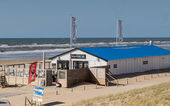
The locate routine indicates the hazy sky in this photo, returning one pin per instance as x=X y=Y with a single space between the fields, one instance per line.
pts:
x=95 y=18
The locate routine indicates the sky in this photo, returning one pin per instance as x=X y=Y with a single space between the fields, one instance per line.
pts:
x=95 y=18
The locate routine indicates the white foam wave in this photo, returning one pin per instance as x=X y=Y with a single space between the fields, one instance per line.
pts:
x=78 y=44
x=33 y=45
x=35 y=51
x=66 y=46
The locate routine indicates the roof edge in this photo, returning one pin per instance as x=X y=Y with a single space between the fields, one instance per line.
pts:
x=62 y=53
x=92 y=54
x=74 y=50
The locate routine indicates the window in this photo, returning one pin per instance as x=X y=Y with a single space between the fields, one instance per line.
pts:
x=53 y=65
x=145 y=62
x=40 y=66
x=62 y=64
x=114 y=65
x=80 y=64
x=61 y=75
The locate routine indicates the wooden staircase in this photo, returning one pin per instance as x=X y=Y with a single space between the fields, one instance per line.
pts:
x=111 y=79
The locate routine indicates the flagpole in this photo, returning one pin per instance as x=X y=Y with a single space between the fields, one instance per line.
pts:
x=70 y=63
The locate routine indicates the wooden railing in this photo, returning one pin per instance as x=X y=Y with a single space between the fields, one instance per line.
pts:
x=111 y=78
x=30 y=102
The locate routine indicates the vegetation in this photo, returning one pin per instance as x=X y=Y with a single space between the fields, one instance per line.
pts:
x=158 y=95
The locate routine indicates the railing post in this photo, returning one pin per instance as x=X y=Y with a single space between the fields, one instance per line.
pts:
x=84 y=88
x=25 y=101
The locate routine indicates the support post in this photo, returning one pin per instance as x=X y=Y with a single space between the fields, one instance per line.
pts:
x=70 y=62
x=56 y=92
x=151 y=75
x=45 y=73
x=43 y=60
x=84 y=88
x=23 y=77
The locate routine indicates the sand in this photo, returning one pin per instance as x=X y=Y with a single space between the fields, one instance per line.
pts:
x=69 y=96
x=18 y=61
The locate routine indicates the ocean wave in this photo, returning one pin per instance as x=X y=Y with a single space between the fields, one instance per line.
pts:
x=65 y=47
x=77 y=44
x=35 y=51
x=37 y=47
x=33 y=45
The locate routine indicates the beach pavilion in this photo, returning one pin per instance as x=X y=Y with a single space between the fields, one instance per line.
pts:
x=119 y=59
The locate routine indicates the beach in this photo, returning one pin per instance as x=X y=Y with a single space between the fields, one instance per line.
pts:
x=19 y=61
x=28 y=53
x=69 y=96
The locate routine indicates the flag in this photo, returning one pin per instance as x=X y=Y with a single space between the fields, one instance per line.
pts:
x=73 y=29
x=32 y=72
x=120 y=35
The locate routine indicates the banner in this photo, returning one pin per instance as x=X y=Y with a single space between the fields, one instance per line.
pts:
x=32 y=72
x=120 y=35
x=74 y=30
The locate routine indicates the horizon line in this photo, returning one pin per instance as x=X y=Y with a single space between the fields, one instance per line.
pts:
x=77 y=37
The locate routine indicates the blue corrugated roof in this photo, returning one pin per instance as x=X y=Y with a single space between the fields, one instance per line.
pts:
x=126 y=52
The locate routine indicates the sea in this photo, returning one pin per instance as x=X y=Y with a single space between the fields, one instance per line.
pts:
x=22 y=48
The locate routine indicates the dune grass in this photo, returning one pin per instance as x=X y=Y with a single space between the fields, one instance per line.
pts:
x=158 y=95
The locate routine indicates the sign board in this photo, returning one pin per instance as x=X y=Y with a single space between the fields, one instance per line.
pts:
x=38 y=94
x=78 y=56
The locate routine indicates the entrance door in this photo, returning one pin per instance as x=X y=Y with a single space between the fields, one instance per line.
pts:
x=62 y=64
x=80 y=64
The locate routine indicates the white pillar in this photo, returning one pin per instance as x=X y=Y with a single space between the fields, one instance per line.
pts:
x=43 y=60
x=70 y=62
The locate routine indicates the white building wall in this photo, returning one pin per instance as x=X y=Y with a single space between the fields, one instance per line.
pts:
x=136 y=65
x=124 y=65
x=92 y=60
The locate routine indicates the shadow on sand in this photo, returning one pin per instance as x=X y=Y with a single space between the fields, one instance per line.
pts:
x=131 y=75
x=53 y=103
x=3 y=102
